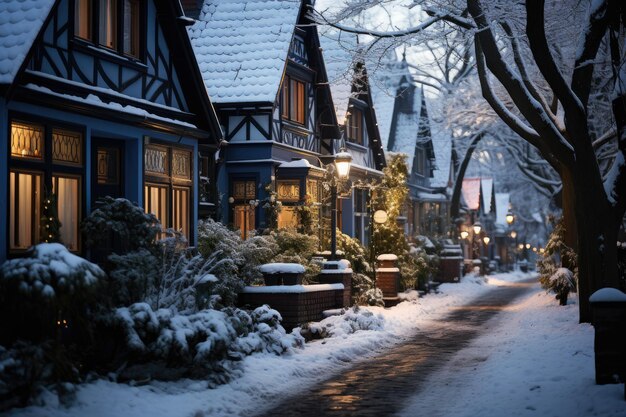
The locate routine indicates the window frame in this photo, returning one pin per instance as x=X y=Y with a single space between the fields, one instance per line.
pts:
x=137 y=30
x=244 y=202
x=288 y=111
x=354 y=131
x=171 y=182
x=46 y=165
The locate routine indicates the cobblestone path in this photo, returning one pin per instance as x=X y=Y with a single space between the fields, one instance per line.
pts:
x=380 y=386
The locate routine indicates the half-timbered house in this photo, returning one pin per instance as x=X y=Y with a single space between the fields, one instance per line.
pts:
x=352 y=98
x=405 y=128
x=97 y=98
x=262 y=65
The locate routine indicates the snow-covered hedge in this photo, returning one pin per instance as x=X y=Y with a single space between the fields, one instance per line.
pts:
x=199 y=344
x=352 y=320
x=47 y=289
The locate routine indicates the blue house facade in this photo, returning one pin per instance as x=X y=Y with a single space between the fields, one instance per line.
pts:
x=351 y=92
x=263 y=68
x=100 y=98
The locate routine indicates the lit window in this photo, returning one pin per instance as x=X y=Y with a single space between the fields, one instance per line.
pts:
x=67 y=190
x=354 y=128
x=26 y=140
x=156 y=202
x=167 y=191
x=24 y=210
x=131 y=27
x=107 y=23
x=288 y=218
x=294 y=100
x=83 y=19
x=114 y=19
x=31 y=167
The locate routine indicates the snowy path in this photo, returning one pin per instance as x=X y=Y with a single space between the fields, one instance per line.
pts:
x=380 y=386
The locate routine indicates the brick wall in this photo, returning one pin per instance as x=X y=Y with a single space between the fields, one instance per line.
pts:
x=295 y=308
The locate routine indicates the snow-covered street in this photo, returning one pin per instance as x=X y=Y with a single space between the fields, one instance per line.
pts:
x=535 y=359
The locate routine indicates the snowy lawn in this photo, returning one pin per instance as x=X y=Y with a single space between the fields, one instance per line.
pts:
x=535 y=361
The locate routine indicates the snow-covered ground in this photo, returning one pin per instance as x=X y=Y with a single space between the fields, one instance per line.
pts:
x=535 y=360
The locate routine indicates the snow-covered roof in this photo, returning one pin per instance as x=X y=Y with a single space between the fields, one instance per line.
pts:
x=407 y=127
x=502 y=207
x=385 y=77
x=20 y=23
x=487 y=187
x=338 y=50
x=471 y=192
x=442 y=144
x=242 y=46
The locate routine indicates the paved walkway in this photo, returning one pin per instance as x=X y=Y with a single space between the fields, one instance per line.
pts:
x=380 y=386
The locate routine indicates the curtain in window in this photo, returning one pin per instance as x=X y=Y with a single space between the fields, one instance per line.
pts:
x=108 y=23
x=24 y=210
x=68 y=206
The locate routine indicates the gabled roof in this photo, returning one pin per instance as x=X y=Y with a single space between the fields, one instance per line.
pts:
x=20 y=23
x=471 y=193
x=442 y=144
x=386 y=80
x=486 y=184
x=242 y=46
x=338 y=50
x=406 y=130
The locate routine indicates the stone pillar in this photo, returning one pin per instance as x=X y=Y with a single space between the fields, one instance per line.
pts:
x=608 y=308
x=338 y=272
x=388 y=278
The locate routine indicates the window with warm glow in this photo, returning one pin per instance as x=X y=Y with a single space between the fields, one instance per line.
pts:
x=83 y=18
x=354 y=127
x=24 y=209
x=56 y=168
x=67 y=190
x=118 y=24
x=244 y=209
x=167 y=190
x=294 y=100
x=288 y=218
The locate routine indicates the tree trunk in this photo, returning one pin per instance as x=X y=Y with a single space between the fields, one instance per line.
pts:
x=597 y=234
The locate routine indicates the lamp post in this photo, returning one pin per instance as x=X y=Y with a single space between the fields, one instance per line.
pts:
x=476 y=228
x=343 y=161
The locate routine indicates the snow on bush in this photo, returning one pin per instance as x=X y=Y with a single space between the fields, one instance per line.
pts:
x=352 y=320
x=200 y=343
x=49 y=271
x=561 y=283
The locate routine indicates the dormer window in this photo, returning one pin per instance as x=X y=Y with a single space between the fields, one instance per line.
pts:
x=294 y=100
x=114 y=20
x=354 y=127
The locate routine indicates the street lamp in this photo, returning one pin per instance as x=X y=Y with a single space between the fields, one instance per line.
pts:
x=486 y=239
x=513 y=234
x=343 y=161
x=464 y=234
x=477 y=228
x=509 y=218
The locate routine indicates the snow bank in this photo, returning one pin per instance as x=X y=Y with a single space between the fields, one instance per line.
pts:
x=282 y=268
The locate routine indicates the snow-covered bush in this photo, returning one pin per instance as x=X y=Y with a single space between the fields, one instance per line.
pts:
x=122 y=238
x=48 y=290
x=295 y=247
x=352 y=320
x=557 y=255
x=122 y=222
x=200 y=344
x=215 y=239
x=354 y=252
x=186 y=281
x=364 y=291
x=562 y=282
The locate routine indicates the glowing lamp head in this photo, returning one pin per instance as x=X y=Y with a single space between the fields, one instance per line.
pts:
x=509 y=217
x=477 y=228
x=464 y=234
x=521 y=246
x=513 y=234
x=343 y=161
x=528 y=246
x=486 y=239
